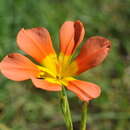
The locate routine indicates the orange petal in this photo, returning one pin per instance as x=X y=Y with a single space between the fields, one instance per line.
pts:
x=92 y=53
x=36 y=42
x=71 y=34
x=43 y=84
x=84 y=90
x=18 y=67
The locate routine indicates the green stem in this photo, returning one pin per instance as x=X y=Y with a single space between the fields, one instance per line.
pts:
x=64 y=105
x=84 y=117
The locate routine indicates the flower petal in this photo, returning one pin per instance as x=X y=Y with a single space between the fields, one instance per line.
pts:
x=36 y=42
x=44 y=84
x=18 y=67
x=85 y=90
x=92 y=53
x=71 y=34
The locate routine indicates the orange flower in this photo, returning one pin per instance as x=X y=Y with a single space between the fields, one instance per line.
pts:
x=54 y=71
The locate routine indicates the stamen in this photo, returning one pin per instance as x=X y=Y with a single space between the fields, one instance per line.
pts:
x=41 y=75
x=46 y=71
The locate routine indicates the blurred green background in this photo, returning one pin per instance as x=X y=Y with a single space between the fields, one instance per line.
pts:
x=23 y=107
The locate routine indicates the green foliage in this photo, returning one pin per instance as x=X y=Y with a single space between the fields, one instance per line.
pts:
x=23 y=107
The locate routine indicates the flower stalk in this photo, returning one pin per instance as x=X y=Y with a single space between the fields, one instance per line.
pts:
x=83 y=125
x=64 y=105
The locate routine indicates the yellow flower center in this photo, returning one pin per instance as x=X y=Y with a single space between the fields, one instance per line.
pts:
x=56 y=70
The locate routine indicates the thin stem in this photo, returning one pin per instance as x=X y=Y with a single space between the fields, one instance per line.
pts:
x=64 y=105
x=83 y=125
